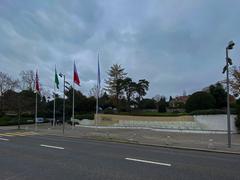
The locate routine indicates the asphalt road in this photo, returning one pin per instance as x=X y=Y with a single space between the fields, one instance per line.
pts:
x=30 y=156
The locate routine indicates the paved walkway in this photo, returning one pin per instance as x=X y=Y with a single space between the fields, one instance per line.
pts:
x=172 y=139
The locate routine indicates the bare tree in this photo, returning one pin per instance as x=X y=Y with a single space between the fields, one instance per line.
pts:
x=157 y=98
x=6 y=83
x=27 y=79
x=235 y=80
x=93 y=92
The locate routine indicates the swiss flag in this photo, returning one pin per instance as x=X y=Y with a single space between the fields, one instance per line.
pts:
x=75 y=76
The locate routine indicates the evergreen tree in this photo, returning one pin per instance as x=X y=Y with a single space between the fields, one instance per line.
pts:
x=114 y=82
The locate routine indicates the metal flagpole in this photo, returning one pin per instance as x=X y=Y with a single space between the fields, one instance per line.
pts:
x=73 y=121
x=54 y=106
x=96 y=108
x=63 y=103
x=36 y=113
x=97 y=93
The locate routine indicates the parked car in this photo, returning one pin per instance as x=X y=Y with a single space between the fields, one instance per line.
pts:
x=40 y=120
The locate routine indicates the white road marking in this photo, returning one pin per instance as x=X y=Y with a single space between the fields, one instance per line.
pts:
x=54 y=147
x=4 y=139
x=17 y=134
x=6 y=134
x=150 y=162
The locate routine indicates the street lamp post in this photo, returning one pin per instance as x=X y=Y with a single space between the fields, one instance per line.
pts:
x=226 y=69
x=62 y=75
x=64 y=87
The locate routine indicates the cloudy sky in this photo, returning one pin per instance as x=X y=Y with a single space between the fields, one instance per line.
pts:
x=175 y=44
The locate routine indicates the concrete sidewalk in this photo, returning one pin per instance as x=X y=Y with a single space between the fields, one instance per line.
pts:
x=210 y=142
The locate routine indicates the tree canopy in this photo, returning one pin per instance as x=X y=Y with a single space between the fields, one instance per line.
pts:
x=220 y=95
x=200 y=101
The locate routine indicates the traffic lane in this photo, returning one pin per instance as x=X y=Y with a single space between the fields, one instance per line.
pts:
x=188 y=158
x=27 y=162
x=111 y=156
x=153 y=153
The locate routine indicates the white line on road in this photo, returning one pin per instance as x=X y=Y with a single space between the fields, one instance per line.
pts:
x=54 y=147
x=150 y=162
x=4 y=139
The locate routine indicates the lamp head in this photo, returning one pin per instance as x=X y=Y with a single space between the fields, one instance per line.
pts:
x=224 y=69
x=229 y=60
x=230 y=45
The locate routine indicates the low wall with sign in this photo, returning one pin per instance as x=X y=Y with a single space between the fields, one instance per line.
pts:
x=117 y=118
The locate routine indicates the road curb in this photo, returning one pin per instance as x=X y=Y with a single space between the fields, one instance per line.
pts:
x=114 y=140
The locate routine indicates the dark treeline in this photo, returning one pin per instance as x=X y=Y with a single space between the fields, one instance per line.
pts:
x=17 y=96
x=120 y=94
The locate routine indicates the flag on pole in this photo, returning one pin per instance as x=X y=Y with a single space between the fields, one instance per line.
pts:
x=37 y=86
x=56 y=79
x=75 y=76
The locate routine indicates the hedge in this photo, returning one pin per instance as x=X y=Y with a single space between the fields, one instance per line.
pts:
x=13 y=120
x=84 y=116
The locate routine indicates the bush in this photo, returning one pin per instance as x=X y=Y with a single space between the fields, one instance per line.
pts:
x=1 y=114
x=85 y=116
x=237 y=122
x=13 y=120
x=208 y=112
x=108 y=111
x=200 y=101
x=237 y=119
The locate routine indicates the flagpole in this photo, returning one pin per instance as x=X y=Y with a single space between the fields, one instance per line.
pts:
x=36 y=113
x=73 y=106
x=77 y=81
x=54 y=104
x=97 y=94
x=54 y=110
x=96 y=110
x=37 y=90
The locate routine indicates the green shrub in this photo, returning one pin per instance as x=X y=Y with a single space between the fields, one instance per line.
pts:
x=213 y=111
x=237 y=119
x=200 y=101
x=13 y=120
x=237 y=122
x=208 y=112
x=1 y=113
x=85 y=116
x=108 y=111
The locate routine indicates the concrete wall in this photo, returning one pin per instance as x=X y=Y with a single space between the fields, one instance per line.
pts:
x=215 y=122
x=202 y=122
x=110 y=117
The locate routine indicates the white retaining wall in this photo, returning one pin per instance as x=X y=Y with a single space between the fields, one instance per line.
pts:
x=216 y=122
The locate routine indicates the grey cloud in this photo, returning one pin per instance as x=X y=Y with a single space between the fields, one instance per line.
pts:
x=176 y=45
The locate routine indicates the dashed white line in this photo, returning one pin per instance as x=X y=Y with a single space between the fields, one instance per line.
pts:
x=150 y=162
x=54 y=147
x=4 y=139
